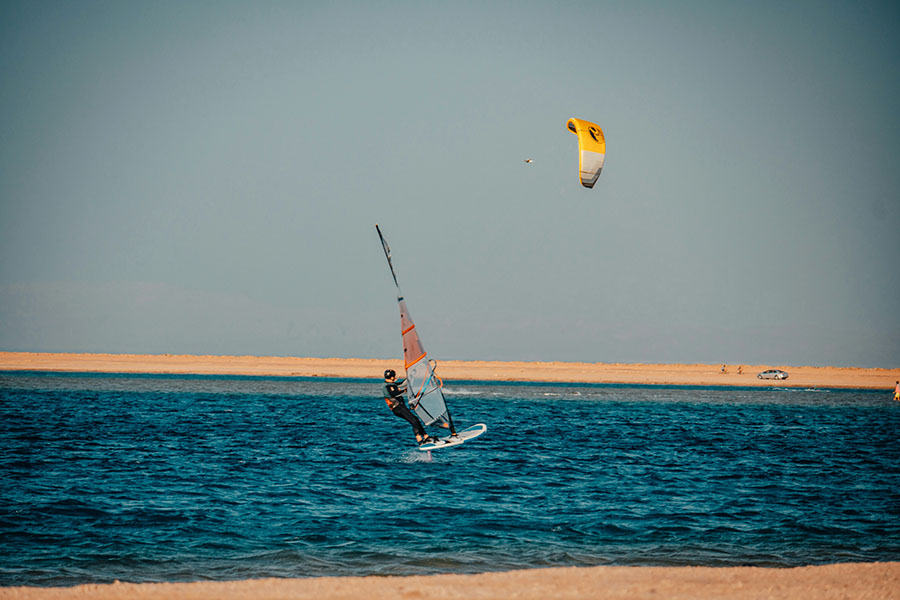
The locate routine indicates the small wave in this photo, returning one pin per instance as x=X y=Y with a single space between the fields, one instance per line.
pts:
x=476 y=393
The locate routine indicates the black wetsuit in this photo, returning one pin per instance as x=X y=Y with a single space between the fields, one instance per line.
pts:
x=393 y=395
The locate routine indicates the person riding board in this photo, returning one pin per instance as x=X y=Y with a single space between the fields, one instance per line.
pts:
x=393 y=395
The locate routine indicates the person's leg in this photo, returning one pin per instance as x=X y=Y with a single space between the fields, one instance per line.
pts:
x=404 y=413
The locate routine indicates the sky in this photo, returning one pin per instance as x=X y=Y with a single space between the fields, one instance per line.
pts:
x=205 y=177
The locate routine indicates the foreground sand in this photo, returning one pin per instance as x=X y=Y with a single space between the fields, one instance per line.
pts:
x=847 y=581
x=834 y=377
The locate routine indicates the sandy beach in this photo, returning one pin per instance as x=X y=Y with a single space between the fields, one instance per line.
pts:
x=697 y=374
x=845 y=581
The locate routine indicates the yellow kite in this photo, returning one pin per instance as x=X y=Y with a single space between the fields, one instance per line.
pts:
x=591 y=150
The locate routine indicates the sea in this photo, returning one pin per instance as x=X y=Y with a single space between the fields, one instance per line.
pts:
x=149 y=478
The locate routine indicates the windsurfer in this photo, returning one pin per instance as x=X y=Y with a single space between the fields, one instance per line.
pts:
x=393 y=394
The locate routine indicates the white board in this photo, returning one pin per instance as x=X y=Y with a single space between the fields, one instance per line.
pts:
x=461 y=436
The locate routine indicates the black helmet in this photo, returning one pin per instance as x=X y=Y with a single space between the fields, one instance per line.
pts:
x=388 y=373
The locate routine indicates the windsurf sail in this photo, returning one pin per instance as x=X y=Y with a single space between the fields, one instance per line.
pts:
x=423 y=384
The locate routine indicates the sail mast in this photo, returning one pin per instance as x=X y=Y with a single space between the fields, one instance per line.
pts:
x=387 y=255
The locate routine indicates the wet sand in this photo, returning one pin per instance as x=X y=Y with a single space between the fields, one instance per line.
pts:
x=845 y=581
x=698 y=374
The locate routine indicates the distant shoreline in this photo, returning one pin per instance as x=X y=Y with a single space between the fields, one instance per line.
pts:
x=360 y=368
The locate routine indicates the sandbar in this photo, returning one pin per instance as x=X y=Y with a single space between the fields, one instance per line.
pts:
x=455 y=370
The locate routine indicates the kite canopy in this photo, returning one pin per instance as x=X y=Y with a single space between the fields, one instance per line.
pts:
x=591 y=150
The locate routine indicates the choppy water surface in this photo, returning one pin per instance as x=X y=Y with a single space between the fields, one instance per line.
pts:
x=156 y=478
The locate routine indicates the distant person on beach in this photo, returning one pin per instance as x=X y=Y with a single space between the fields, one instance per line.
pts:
x=897 y=392
x=724 y=370
x=393 y=394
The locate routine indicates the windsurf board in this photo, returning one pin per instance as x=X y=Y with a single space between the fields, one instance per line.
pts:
x=455 y=440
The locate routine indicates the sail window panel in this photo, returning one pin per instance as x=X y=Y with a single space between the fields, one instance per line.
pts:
x=425 y=390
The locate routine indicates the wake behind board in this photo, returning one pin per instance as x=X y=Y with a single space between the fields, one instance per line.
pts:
x=461 y=436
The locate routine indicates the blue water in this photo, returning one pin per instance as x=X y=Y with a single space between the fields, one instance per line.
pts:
x=163 y=478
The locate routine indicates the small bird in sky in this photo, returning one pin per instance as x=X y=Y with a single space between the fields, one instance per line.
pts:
x=528 y=160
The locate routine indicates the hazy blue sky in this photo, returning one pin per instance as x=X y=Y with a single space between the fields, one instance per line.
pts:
x=204 y=177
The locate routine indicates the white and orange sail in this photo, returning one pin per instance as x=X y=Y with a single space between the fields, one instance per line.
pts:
x=423 y=384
